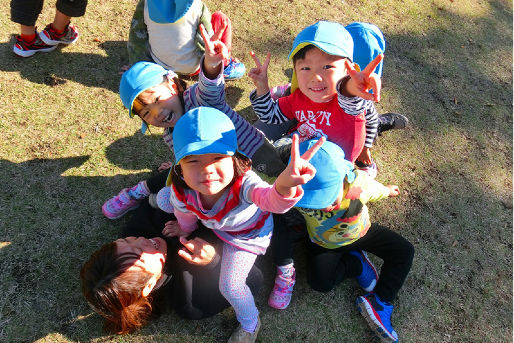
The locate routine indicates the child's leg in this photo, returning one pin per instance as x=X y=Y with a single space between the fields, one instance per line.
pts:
x=327 y=268
x=397 y=254
x=282 y=245
x=235 y=266
x=129 y=198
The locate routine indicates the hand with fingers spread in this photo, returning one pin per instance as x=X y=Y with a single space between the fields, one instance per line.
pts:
x=299 y=171
x=215 y=53
x=197 y=251
x=259 y=74
x=362 y=81
x=172 y=229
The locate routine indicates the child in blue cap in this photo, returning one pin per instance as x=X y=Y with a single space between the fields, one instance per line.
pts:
x=166 y=32
x=315 y=119
x=159 y=98
x=340 y=231
x=212 y=181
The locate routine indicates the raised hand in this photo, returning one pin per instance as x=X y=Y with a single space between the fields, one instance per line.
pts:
x=215 y=53
x=299 y=171
x=197 y=251
x=259 y=74
x=172 y=229
x=362 y=81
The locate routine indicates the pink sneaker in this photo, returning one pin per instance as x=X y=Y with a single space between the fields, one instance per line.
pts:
x=117 y=206
x=280 y=91
x=280 y=296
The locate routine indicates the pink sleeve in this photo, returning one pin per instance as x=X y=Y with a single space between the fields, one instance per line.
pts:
x=268 y=199
x=188 y=221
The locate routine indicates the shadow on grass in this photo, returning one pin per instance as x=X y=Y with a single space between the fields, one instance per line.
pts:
x=55 y=67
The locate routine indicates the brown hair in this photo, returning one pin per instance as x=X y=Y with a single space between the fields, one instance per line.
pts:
x=241 y=165
x=115 y=292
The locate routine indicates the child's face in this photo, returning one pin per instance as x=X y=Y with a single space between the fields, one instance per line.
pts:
x=318 y=74
x=159 y=105
x=208 y=174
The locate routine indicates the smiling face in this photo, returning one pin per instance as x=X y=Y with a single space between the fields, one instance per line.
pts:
x=151 y=252
x=318 y=74
x=159 y=105
x=208 y=174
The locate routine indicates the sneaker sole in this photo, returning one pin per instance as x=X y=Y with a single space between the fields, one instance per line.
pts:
x=28 y=53
x=368 y=313
x=49 y=41
x=112 y=217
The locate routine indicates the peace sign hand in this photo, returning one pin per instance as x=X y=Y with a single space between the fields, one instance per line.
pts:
x=259 y=74
x=362 y=81
x=215 y=53
x=299 y=171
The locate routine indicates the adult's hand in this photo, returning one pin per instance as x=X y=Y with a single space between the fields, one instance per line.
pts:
x=197 y=251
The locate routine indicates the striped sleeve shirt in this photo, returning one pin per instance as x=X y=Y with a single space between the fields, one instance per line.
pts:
x=269 y=112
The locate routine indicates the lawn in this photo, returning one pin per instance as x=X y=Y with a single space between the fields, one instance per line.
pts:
x=67 y=145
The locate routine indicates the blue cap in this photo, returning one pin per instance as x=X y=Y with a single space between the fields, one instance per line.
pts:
x=204 y=130
x=368 y=43
x=167 y=11
x=331 y=38
x=140 y=77
x=331 y=169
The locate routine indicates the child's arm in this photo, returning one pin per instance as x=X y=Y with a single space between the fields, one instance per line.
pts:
x=215 y=53
x=259 y=74
x=371 y=131
x=299 y=171
x=361 y=81
x=138 y=36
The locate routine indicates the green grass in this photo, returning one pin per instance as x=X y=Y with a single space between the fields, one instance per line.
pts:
x=68 y=145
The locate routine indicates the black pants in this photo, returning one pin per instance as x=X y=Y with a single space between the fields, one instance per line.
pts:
x=327 y=268
x=25 y=12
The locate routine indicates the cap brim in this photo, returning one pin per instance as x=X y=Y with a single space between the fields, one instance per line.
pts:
x=318 y=199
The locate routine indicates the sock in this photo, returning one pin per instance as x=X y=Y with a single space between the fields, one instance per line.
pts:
x=28 y=38
x=286 y=271
x=58 y=31
x=139 y=191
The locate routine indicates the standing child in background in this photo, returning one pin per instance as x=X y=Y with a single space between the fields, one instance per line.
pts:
x=159 y=98
x=60 y=31
x=368 y=43
x=166 y=32
x=340 y=231
x=212 y=181
x=346 y=120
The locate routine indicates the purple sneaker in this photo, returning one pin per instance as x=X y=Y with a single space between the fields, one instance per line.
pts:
x=117 y=206
x=279 y=91
x=280 y=296
x=370 y=169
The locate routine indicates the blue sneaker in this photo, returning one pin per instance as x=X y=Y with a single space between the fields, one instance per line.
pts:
x=369 y=276
x=378 y=315
x=234 y=70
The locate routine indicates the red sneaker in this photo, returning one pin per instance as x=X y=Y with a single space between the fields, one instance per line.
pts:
x=52 y=37
x=26 y=49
